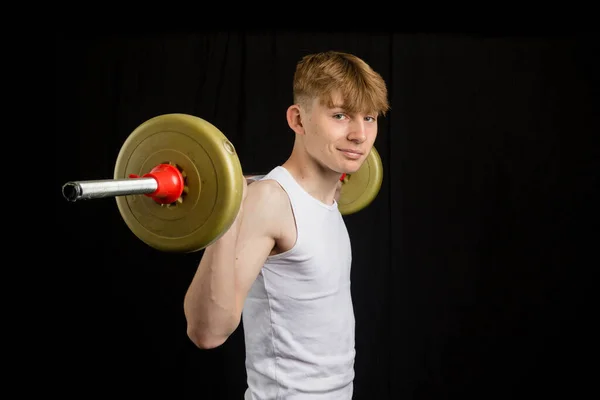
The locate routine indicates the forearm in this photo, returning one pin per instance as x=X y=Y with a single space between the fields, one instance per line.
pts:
x=210 y=303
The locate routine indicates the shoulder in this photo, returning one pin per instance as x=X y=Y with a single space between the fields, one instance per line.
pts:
x=266 y=207
x=265 y=196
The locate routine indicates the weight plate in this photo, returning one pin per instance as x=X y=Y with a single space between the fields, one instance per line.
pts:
x=360 y=188
x=213 y=182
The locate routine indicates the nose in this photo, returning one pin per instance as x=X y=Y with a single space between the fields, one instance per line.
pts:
x=358 y=132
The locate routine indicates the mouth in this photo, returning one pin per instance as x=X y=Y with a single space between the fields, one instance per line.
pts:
x=352 y=154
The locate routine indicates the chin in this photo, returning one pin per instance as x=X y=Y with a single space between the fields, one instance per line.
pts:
x=354 y=166
x=351 y=169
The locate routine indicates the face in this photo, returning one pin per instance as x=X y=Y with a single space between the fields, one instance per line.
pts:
x=337 y=139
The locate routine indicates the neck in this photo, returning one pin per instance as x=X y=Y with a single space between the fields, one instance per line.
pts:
x=318 y=181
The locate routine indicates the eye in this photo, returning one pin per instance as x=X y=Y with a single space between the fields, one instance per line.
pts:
x=339 y=116
x=371 y=119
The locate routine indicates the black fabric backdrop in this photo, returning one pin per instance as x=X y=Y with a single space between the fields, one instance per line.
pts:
x=472 y=268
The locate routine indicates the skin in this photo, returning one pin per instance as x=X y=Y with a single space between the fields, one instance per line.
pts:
x=265 y=224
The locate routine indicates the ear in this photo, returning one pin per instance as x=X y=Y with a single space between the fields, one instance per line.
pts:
x=294 y=119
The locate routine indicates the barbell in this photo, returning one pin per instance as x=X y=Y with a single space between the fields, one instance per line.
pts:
x=178 y=183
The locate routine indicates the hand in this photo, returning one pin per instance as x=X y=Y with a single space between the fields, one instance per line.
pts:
x=238 y=218
x=245 y=189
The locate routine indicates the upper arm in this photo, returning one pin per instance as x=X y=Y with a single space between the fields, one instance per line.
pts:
x=262 y=211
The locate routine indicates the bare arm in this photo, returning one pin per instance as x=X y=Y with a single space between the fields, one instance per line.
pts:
x=214 y=301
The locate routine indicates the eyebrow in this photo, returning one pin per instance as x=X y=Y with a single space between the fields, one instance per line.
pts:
x=343 y=107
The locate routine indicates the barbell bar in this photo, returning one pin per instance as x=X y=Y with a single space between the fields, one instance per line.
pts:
x=149 y=186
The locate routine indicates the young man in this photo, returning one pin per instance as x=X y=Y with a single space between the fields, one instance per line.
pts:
x=284 y=265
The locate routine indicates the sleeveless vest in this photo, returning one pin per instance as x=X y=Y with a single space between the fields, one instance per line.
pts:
x=298 y=318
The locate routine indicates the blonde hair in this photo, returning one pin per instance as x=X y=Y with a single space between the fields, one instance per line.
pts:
x=321 y=75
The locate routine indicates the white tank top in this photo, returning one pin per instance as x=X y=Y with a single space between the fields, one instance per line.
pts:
x=298 y=318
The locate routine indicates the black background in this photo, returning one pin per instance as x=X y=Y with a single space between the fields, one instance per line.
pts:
x=472 y=268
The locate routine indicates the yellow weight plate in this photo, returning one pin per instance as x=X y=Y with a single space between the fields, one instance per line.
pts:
x=213 y=182
x=360 y=188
